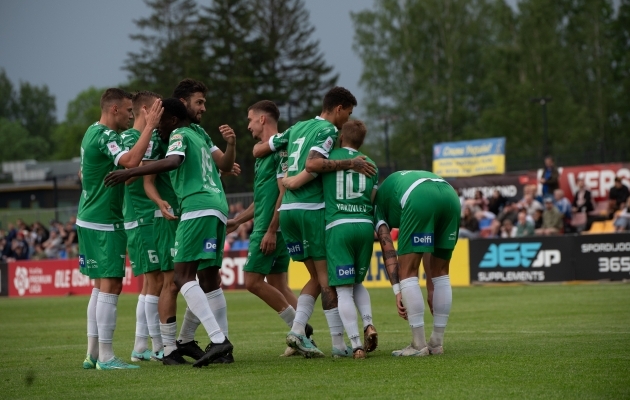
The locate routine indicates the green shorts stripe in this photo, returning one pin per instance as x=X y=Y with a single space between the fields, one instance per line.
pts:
x=303 y=232
x=102 y=253
x=275 y=263
x=430 y=219
x=200 y=239
x=164 y=234
x=349 y=252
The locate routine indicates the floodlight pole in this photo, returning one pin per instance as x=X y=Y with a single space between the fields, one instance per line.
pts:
x=543 y=102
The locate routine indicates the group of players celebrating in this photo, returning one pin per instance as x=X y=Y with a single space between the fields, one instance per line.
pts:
x=316 y=201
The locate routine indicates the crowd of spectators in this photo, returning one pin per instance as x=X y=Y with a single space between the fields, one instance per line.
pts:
x=21 y=241
x=541 y=214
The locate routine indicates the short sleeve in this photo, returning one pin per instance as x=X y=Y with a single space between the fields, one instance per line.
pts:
x=279 y=141
x=281 y=163
x=325 y=141
x=154 y=151
x=379 y=217
x=111 y=145
x=177 y=144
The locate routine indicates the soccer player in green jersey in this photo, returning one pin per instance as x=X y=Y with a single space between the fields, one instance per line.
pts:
x=138 y=214
x=349 y=236
x=426 y=209
x=201 y=231
x=100 y=227
x=308 y=145
x=268 y=259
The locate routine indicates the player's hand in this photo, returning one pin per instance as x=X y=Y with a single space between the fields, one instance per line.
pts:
x=402 y=311
x=154 y=114
x=363 y=167
x=228 y=134
x=430 y=300
x=231 y=226
x=167 y=210
x=287 y=182
x=268 y=243
x=236 y=171
x=117 y=177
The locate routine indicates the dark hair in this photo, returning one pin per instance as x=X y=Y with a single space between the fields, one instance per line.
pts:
x=112 y=95
x=188 y=87
x=143 y=98
x=175 y=108
x=338 y=96
x=267 y=107
x=354 y=132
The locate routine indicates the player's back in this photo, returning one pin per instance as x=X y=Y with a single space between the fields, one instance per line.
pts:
x=100 y=151
x=315 y=134
x=348 y=194
x=395 y=189
x=196 y=181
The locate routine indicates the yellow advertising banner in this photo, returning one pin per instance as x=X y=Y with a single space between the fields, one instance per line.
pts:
x=377 y=275
x=469 y=158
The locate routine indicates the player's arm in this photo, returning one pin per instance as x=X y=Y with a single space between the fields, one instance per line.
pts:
x=133 y=157
x=319 y=163
x=169 y=163
x=390 y=259
x=225 y=161
x=154 y=195
x=297 y=181
x=275 y=143
x=233 y=224
x=268 y=243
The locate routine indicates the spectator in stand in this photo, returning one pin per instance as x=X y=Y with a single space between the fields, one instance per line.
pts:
x=479 y=201
x=5 y=251
x=619 y=193
x=496 y=202
x=562 y=203
x=552 y=220
x=582 y=200
x=242 y=243
x=537 y=218
x=524 y=227
x=510 y=211
x=530 y=204
x=19 y=249
x=549 y=178
x=622 y=218
x=485 y=219
x=53 y=245
x=508 y=230
x=469 y=225
x=495 y=229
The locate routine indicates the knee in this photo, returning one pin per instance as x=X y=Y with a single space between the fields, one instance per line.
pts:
x=252 y=284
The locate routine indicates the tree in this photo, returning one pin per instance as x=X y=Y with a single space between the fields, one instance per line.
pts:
x=83 y=111
x=16 y=143
x=7 y=96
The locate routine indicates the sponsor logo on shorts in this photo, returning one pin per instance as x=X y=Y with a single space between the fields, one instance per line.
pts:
x=173 y=252
x=422 y=239
x=295 y=248
x=210 y=245
x=345 y=271
x=82 y=263
x=452 y=236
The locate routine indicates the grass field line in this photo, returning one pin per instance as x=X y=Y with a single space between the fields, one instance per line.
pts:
x=499 y=332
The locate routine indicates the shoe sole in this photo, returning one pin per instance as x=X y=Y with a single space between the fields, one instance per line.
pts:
x=204 y=362
x=371 y=341
x=136 y=359
x=295 y=343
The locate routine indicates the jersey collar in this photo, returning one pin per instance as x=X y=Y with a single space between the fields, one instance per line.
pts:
x=351 y=149
x=322 y=119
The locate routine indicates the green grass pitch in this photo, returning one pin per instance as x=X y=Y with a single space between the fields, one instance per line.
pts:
x=548 y=341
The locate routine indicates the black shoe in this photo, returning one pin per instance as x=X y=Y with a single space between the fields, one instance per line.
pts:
x=308 y=332
x=190 y=349
x=229 y=359
x=214 y=351
x=175 y=358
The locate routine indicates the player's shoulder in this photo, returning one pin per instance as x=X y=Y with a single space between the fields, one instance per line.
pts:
x=197 y=128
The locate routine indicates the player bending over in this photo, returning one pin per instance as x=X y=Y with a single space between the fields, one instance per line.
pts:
x=201 y=231
x=349 y=236
x=427 y=211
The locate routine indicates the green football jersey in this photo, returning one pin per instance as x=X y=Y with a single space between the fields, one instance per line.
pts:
x=266 y=173
x=196 y=182
x=137 y=206
x=348 y=194
x=163 y=180
x=393 y=192
x=315 y=134
x=100 y=207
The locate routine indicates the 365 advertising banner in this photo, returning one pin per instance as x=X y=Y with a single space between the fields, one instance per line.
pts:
x=469 y=158
x=540 y=259
x=602 y=257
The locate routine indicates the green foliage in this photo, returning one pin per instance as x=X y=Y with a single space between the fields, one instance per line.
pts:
x=547 y=341
x=17 y=143
x=83 y=111
x=465 y=69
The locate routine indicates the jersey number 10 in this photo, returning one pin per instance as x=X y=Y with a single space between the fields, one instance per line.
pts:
x=345 y=179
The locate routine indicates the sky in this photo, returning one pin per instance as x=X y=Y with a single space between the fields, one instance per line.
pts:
x=70 y=45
